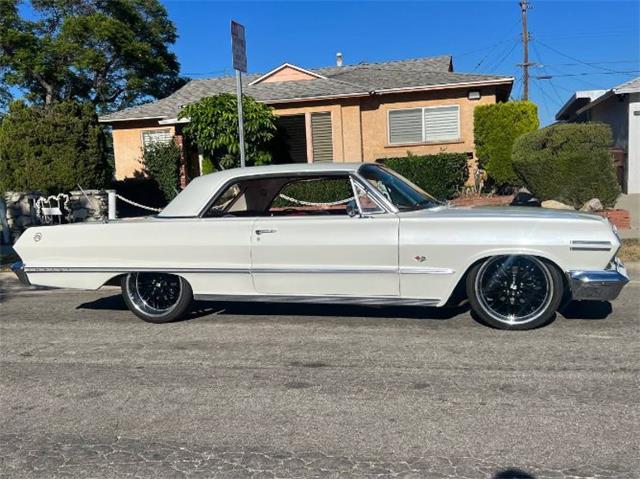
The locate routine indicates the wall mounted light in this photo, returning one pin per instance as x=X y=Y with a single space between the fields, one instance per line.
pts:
x=474 y=95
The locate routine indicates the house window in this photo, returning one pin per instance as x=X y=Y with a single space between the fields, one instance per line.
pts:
x=153 y=137
x=424 y=124
x=321 y=137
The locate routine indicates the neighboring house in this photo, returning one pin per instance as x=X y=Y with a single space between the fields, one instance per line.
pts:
x=356 y=113
x=619 y=107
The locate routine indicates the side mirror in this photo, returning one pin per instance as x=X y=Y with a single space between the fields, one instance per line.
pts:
x=352 y=208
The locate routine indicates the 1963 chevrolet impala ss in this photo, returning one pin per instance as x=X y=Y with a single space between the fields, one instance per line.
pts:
x=375 y=238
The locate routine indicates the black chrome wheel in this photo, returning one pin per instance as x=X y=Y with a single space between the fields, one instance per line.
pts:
x=156 y=297
x=514 y=291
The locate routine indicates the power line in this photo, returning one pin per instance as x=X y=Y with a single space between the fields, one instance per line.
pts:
x=593 y=63
x=544 y=69
x=574 y=58
x=494 y=66
x=581 y=74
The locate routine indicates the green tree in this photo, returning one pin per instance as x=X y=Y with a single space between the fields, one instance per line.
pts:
x=496 y=127
x=52 y=148
x=112 y=53
x=568 y=162
x=213 y=127
x=162 y=164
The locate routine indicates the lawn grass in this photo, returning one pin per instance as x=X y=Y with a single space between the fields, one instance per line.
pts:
x=630 y=251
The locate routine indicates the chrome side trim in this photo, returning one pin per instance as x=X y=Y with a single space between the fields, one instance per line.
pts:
x=590 y=245
x=598 y=284
x=426 y=271
x=324 y=270
x=133 y=269
x=245 y=270
x=320 y=299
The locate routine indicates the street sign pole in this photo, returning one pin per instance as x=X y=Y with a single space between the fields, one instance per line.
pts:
x=240 y=118
x=239 y=50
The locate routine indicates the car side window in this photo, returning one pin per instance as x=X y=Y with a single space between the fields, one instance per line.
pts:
x=225 y=201
x=313 y=196
x=366 y=204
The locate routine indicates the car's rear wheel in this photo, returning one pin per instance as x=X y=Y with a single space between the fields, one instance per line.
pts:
x=514 y=292
x=156 y=297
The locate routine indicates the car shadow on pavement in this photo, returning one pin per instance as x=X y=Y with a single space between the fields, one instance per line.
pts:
x=512 y=473
x=327 y=310
x=202 y=308
x=586 y=310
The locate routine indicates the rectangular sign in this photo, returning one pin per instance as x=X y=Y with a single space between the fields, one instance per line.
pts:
x=238 y=47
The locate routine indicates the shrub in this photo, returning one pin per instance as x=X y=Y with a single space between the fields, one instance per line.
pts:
x=162 y=164
x=442 y=175
x=52 y=149
x=213 y=127
x=495 y=128
x=570 y=163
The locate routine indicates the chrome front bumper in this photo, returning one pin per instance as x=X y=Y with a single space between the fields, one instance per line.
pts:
x=598 y=284
x=18 y=269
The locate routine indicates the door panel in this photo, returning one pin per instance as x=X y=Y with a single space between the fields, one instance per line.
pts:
x=326 y=255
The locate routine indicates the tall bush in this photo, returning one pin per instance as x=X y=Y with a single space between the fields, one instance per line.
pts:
x=52 y=149
x=568 y=162
x=442 y=175
x=213 y=127
x=162 y=164
x=496 y=127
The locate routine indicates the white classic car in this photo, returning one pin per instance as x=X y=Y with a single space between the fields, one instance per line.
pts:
x=373 y=238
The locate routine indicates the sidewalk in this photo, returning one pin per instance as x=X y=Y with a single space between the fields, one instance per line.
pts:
x=631 y=203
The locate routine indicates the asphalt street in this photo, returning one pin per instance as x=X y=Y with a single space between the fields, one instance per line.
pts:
x=258 y=390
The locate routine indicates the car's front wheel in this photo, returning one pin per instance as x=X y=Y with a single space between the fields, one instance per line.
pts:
x=514 y=292
x=156 y=297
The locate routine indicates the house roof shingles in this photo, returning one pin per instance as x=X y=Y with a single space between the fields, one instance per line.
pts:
x=348 y=80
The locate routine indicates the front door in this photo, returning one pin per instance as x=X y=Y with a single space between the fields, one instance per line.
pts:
x=325 y=251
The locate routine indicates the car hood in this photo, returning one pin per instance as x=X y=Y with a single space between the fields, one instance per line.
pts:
x=503 y=212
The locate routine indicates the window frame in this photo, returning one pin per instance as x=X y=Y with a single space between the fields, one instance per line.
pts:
x=353 y=177
x=424 y=140
x=156 y=130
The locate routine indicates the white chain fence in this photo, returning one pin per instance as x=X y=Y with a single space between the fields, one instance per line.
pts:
x=315 y=204
x=284 y=197
x=139 y=205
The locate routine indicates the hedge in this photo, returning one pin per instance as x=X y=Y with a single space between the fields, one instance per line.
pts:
x=162 y=164
x=496 y=127
x=318 y=191
x=52 y=149
x=442 y=175
x=570 y=163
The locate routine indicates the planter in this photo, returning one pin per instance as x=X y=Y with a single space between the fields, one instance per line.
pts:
x=619 y=217
x=479 y=201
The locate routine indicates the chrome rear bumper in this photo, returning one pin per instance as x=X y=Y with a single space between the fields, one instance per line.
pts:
x=18 y=269
x=598 y=284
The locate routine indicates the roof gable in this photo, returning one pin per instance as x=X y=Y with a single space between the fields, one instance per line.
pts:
x=287 y=73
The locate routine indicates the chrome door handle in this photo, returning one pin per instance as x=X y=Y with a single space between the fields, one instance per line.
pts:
x=266 y=230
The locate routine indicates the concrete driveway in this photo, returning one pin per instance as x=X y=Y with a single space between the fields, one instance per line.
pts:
x=88 y=390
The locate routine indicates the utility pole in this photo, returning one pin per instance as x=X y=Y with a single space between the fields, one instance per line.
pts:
x=524 y=6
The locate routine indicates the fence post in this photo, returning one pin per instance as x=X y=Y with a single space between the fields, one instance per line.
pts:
x=111 y=198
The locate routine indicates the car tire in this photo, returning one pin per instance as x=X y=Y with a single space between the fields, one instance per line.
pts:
x=156 y=297
x=515 y=292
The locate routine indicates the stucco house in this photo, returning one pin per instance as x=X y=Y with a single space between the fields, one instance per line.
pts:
x=360 y=112
x=619 y=107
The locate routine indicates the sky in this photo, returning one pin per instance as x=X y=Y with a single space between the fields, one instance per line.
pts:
x=582 y=45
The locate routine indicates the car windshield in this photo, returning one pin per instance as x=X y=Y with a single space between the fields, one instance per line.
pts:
x=397 y=189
